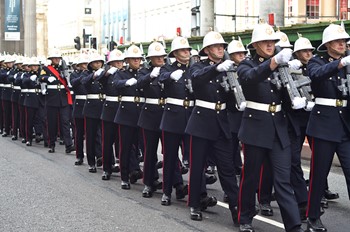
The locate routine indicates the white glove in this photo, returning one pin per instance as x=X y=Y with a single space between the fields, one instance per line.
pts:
x=345 y=61
x=298 y=103
x=295 y=64
x=155 y=72
x=225 y=66
x=242 y=106
x=130 y=82
x=98 y=72
x=309 y=106
x=176 y=75
x=112 y=70
x=48 y=62
x=51 y=79
x=33 y=77
x=283 y=56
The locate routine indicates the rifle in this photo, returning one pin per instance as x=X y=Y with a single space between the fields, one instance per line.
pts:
x=287 y=80
x=303 y=84
x=344 y=87
x=230 y=82
x=65 y=73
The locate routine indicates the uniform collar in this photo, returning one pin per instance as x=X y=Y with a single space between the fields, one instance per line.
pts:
x=329 y=58
x=209 y=62
x=180 y=66
x=259 y=58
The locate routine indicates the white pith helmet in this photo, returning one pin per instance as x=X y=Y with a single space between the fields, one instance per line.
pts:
x=330 y=33
x=34 y=61
x=194 y=52
x=10 y=58
x=284 y=41
x=262 y=32
x=115 y=55
x=95 y=57
x=236 y=46
x=179 y=43
x=302 y=43
x=211 y=38
x=133 y=52
x=54 y=53
x=156 y=49
x=83 y=59
x=26 y=61
x=19 y=60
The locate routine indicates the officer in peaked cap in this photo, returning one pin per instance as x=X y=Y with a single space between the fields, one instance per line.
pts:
x=57 y=101
x=271 y=141
x=329 y=123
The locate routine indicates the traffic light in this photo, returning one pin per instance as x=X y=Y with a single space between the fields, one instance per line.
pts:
x=93 y=43
x=77 y=43
x=112 y=45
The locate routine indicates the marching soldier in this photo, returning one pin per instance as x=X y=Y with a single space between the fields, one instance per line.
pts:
x=16 y=91
x=208 y=125
x=78 y=106
x=93 y=107
x=237 y=53
x=109 y=110
x=179 y=104
x=151 y=114
x=329 y=123
x=24 y=90
x=2 y=72
x=6 y=92
x=32 y=98
x=128 y=112
x=57 y=102
x=271 y=141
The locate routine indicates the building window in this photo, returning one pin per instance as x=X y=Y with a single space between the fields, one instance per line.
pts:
x=290 y=8
x=313 y=9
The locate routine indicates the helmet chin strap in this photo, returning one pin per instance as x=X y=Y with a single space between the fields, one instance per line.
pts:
x=333 y=52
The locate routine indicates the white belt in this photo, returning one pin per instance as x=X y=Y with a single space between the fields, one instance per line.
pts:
x=17 y=87
x=96 y=96
x=264 y=107
x=132 y=99
x=210 y=105
x=55 y=87
x=24 y=90
x=80 y=97
x=180 y=102
x=112 y=98
x=156 y=101
x=331 y=102
x=7 y=85
x=1 y=85
x=34 y=91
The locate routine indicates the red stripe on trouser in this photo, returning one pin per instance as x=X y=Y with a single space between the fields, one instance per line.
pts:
x=103 y=140
x=163 y=151
x=311 y=176
x=261 y=180
x=189 y=182
x=144 y=152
